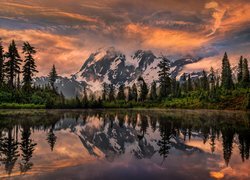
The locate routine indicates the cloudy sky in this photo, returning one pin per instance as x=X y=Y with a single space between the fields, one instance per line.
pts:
x=65 y=32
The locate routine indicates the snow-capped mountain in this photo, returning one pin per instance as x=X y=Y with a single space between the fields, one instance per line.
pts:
x=112 y=66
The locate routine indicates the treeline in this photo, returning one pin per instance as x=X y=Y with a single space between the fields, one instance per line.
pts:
x=17 y=77
x=210 y=90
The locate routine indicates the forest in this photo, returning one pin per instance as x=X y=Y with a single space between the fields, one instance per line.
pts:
x=210 y=91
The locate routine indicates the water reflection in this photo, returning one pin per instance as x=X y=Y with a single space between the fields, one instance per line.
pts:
x=30 y=141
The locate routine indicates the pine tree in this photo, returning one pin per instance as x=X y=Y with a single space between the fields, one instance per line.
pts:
x=111 y=92
x=226 y=75
x=51 y=138
x=27 y=148
x=1 y=63
x=164 y=77
x=189 y=83
x=104 y=91
x=130 y=94
x=143 y=89
x=204 y=81
x=53 y=76
x=12 y=65
x=240 y=70
x=29 y=68
x=121 y=94
x=153 y=94
x=134 y=92
x=245 y=73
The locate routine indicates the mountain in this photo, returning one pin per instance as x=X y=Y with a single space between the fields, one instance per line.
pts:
x=112 y=66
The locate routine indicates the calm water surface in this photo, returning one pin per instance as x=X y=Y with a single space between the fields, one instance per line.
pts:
x=124 y=144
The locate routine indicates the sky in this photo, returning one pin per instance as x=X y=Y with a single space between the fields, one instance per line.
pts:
x=65 y=32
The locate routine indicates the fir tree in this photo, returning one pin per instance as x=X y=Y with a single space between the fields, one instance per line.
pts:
x=12 y=65
x=104 y=91
x=226 y=75
x=29 y=68
x=189 y=83
x=245 y=73
x=143 y=89
x=53 y=76
x=164 y=77
x=121 y=94
x=27 y=148
x=240 y=70
x=9 y=151
x=111 y=92
x=51 y=138
x=134 y=92
x=153 y=94
x=204 y=81
x=1 y=63
x=130 y=94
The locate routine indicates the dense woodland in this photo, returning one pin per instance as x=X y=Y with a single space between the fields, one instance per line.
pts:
x=210 y=91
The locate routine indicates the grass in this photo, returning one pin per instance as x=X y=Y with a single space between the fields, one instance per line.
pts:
x=21 y=106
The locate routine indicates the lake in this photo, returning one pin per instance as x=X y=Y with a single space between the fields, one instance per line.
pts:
x=124 y=144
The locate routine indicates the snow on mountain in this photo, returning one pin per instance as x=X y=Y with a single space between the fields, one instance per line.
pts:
x=108 y=65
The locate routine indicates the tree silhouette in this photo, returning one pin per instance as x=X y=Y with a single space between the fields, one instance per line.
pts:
x=226 y=75
x=164 y=143
x=227 y=136
x=27 y=147
x=1 y=63
x=12 y=65
x=9 y=151
x=51 y=138
x=53 y=76
x=164 y=77
x=29 y=68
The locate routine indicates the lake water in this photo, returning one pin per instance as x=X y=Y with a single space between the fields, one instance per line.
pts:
x=124 y=144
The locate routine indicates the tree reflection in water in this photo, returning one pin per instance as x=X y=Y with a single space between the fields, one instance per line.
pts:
x=119 y=128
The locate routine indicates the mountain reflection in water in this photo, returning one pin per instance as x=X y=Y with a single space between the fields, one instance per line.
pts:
x=101 y=144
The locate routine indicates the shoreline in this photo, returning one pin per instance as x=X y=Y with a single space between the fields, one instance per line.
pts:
x=42 y=107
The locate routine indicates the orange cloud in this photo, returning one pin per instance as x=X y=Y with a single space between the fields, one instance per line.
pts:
x=63 y=51
x=171 y=40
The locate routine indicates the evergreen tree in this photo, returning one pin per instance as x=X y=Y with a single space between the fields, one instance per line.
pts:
x=53 y=76
x=143 y=89
x=226 y=75
x=164 y=77
x=204 y=81
x=51 y=138
x=85 y=97
x=130 y=94
x=165 y=133
x=174 y=87
x=27 y=148
x=189 y=83
x=111 y=92
x=12 y=65
x=153 y=94
x=104 y=91
x=212 y=78
x=9 y=151
x=134 y=92
x=29 y=67
x=240 y=70
x=121 y=94
x=1 y=63
x=245 y=73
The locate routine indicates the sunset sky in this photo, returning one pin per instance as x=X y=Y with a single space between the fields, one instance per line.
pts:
x=65 y=32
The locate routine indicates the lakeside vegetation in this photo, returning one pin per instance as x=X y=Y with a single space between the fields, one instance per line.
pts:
x=209 y=91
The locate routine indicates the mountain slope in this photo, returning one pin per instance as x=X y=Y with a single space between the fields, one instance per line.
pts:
x=114 y=67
